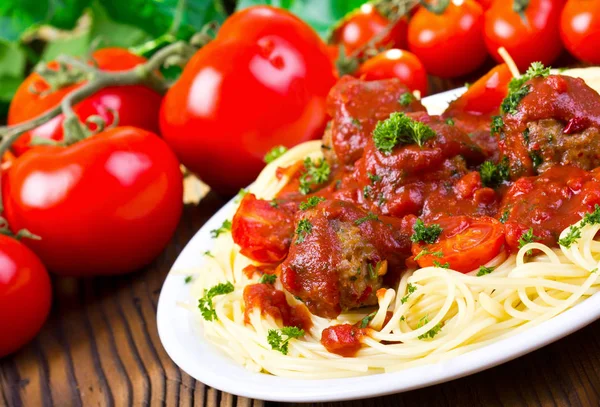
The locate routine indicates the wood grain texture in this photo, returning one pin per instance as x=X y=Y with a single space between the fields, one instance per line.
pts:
x=100 y=347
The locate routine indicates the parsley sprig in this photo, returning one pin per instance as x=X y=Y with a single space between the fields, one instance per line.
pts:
x=311 y=202
x=205 y=303
x=406 y=99
x=274 y=153
x=410 y=288
x=528 y=237
x=370 y=216
x=574 y=233
x=432 y=332
x=427 y=234
x=517 y=89
x=493 y=175
x=425 y=252
x=279 y=338
x=483 y=270
x=267 y=279
x=225 y=227
x=316 y=173
x=400 y=129
x=366 y=320
x=304 y=228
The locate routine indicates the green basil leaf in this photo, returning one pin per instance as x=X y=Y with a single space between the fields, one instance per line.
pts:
x=321 y=15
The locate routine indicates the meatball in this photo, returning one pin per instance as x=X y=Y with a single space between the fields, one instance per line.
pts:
x=341 y=255
x=355 y=107
x=548 y=203
x=555 y=123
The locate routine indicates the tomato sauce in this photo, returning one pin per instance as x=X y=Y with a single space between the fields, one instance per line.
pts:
x=343 y=340
x=271 y=301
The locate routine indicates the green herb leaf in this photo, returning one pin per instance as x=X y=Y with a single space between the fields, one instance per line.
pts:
x=279 y=338
x=493 y=175
x=315 y=174
x=225 y=227
x=240 y=195
x=400 y=129
x=188 y=279
x=373 y=177
x=304 y=228
x=517 y=89
x=426 y=252
x=267 y=279
x=527 y=237
x=366 y=320
x=205 y=303
x=406 y=98
x=450 y=121
x=574 y=233
x=432 y=332
x=410 y=288
x=427 y=234
x=370 y=216
x=274 y=153
x=483 y=270
x=440 y=265
x=311 y=202
x=497 y=125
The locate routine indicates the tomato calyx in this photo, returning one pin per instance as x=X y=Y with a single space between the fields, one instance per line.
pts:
x=520 y=6
x=21 y=234
x=57 y=77
x=438 y=7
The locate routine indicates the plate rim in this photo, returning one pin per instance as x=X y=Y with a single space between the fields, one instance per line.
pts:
x=220 y=372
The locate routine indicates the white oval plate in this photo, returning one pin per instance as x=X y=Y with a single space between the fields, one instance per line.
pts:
x=188 y=348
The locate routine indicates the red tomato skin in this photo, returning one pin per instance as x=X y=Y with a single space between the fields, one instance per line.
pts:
x=450 y=44
x=135 y=105
x=25 y=295
x=236 y=99
x=396 y=63
x=106 y=205
x=580 y=29
x=361 y=26
x=538 y=41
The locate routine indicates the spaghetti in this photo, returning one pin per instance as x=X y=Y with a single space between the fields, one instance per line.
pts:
x=431 y=315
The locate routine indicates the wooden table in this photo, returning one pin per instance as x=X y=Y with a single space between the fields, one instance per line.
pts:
x=100 y=347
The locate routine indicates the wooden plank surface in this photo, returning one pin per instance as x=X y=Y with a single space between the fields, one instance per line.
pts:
x=100 y=347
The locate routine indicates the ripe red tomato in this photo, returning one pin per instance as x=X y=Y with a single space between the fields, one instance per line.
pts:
x=135 y=105
x=25 y=295
x=358 y=28
x=465 y=243
x=396 y=63
x=529 y=36
x=449 y=44
x=243 y=94
x=106 y=205
x=580 y=29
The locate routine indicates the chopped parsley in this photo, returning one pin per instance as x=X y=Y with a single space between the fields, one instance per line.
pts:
x=517 y=89
x=243 y=192
x=594 y=270
x=425 y=252
x=406 y=98
x=483 y=270
x=493 y=175
x=356 y=123
x=574 y=232
x=373 y=177
x=315 y=174
x=372 y=271
x=274 y=153
x=274 y=203
x=410 y=288
x=427 y=234
x=497 y=125
x=432 y=332
x=267 y=279
x=303 y=229
x=205 y=303
x=279 y=338
x=400 y=129
x=366 y=191
x=440 y=265
x=366 y=320
x=536 y=158
x=311 y=202
x=208 y=253
x=370 y=216
x=504 y=216
x=188 y=279
x=450 y=121
x=225 y=227
x=527 y=237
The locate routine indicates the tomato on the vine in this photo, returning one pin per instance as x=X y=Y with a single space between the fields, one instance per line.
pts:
x=134 y=105
x=25 y=295
x=580 y=29
x=105 y=205
x=396 y=63
x=246 y=92
x=528 y=29
x=449 y=41
x=361 y=26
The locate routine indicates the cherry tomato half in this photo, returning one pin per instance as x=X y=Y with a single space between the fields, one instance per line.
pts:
x=396 y=63
x=529 y=35
x=25 y=295
x=449 y=44
x=239 y=97
x=106 y=205
x=134 y=105
x=580 y=29
x=465 y=243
